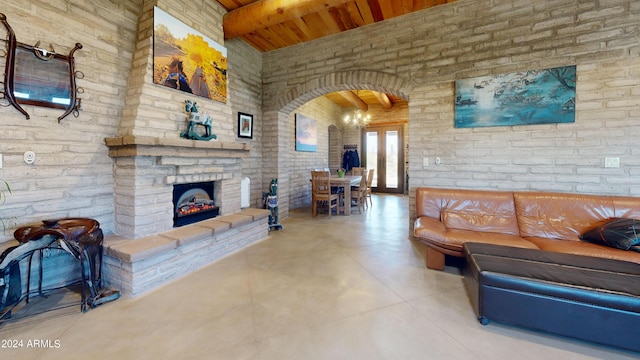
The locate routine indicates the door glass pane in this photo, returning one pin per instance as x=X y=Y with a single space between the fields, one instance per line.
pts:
x=372 y=155
x=391 y=167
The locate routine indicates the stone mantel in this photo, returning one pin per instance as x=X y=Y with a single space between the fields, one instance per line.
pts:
x=131 y=145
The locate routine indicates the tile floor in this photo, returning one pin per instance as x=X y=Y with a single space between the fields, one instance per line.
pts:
x=323 y=288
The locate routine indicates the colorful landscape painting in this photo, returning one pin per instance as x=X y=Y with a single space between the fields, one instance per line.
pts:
x=306 y=134
x=521 y=98
x=186 y=60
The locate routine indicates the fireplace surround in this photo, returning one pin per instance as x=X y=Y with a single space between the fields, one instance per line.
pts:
x=147 y=168
x=146 y=250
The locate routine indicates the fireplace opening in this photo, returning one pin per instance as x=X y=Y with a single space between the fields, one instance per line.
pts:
x=194 y=202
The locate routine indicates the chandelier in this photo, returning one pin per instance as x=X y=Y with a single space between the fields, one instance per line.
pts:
x=357 y=119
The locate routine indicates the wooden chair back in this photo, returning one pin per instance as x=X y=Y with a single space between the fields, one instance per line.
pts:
x=358 y=193
x=358 y=171
x=370 y=178
x=320 y=183
x=321 y=191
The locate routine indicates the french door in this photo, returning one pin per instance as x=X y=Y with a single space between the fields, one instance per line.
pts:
x=383 y=150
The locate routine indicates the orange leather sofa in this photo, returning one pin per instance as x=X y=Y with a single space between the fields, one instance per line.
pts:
x=448 y=218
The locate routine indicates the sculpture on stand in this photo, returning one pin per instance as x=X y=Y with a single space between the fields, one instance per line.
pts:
x=271 y=202
x=198 y=125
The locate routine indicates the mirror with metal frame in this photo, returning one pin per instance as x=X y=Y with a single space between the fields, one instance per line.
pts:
x=40 y=77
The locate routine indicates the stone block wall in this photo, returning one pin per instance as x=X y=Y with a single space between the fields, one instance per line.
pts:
x=73 y=174
x=419 y=57
x=245 y=92
x=327 y=115
x=158 y=112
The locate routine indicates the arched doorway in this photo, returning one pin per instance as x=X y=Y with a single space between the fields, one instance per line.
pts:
x=278 y=110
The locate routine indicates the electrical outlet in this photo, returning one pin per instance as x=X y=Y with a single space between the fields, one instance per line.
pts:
x=612 y=162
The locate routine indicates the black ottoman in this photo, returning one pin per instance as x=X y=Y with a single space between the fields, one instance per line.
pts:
x=587 y=298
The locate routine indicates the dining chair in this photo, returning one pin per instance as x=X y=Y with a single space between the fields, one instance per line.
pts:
x=358 y=171
x=321 y=192
x=367 y=193
x=358 y=194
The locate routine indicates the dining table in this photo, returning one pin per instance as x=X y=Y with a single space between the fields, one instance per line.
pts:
x=346 y=182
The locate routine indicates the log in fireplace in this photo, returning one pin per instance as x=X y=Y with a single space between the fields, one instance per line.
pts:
x=194 y=202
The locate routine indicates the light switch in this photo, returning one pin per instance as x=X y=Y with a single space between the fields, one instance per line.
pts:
x=425 y=162
x=0 y=161
x=612 y=162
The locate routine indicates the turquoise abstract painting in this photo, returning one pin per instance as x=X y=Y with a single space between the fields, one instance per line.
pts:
x=521 y=98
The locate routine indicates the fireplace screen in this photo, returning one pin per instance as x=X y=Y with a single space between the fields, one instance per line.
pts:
x=193 y=202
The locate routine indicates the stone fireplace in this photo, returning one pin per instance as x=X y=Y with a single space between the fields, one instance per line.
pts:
x=147 y=168
x=147 y=250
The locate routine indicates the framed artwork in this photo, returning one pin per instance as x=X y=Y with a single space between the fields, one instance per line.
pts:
x=245 y=125
x=306 y=134
x=186 y=60
x=521 y=98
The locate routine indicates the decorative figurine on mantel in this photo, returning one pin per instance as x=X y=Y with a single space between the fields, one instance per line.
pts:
x=199 y=125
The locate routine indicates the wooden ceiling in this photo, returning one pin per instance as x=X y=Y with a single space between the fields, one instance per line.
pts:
x=274 y=24
x=362 y=99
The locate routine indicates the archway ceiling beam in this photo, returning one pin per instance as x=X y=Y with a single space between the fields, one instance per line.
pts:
x=265 y=13
x=354 y=99
x=383 y=99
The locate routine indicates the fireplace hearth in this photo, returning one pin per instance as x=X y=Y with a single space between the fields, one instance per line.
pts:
x=194 y=202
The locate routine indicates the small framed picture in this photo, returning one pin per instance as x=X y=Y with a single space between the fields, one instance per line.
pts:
x=245 y=125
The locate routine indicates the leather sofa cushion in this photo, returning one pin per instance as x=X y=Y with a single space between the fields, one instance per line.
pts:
x=550 y=275
x=626 y=207
x=477 y=210
x=584 y=248
x=429 y=228
x=457 y=238
x=560 y=215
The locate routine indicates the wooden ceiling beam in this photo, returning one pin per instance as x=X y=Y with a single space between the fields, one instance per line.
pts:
x=387 y=9
x=265 y=13
x=351 y=97
x=383 y=99
x=352 y=10
x=331 y=26
x=302 y=25
x=365 y=11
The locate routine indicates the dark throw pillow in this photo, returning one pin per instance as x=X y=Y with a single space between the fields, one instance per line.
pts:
x=620 y=233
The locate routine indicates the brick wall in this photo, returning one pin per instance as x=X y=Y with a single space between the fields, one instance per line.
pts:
x=245 y=92
x=141 y=202
x=73 y=174
x=327 y=115
x=419 y=56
